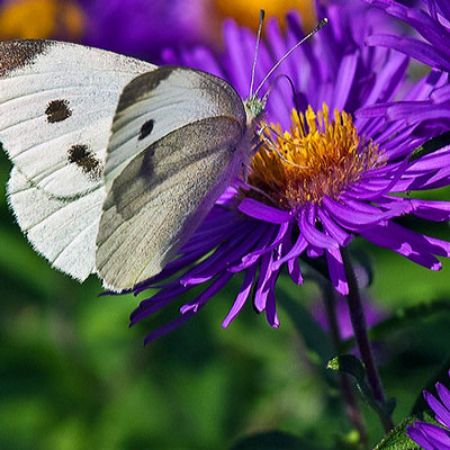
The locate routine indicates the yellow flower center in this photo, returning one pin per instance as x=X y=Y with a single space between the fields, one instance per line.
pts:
x=316 y=158
x=32 y=19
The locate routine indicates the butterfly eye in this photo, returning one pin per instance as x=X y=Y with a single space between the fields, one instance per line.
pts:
x=81 y=155
x=57 y=111
x=146 y=129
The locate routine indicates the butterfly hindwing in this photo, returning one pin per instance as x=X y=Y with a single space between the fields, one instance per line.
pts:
x=160 y=197
x=156 y=103
x=62 y=230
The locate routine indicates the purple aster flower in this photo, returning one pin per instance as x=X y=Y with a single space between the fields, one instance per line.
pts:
x=431 y=47
x=431 y=22
x=141 y=27
x=321 y=178
x=428 y=435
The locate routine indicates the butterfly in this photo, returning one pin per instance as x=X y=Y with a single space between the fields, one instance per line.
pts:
x=116 y=161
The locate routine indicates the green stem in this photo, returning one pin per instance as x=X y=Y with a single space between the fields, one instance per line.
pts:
x=365 y=349
x=351 y=406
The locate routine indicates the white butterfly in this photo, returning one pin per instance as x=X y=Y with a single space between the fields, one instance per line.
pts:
x=116 y=161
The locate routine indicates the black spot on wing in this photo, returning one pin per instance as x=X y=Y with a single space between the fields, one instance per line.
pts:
x=17 y=54
x=57 y=111
x=80 y=155
x=146 y=129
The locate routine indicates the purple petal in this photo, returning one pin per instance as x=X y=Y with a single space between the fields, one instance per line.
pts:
x=209 y=292
x=444 y=395
x=387 y=82
x=444 y=7
x=271 y=308
x=263 y=239
x=442 y=413
x=311 y=233
x=238 y=59
x=224 y=256
x=282 y=230
x=242 y=297
x=262 y=287
x=161 y=299
x=416 y=49
x=418 y=436
x=261 y=211
x=337 y=271
x=437 y=436
x=295 y=271
x=348 y=216
x=166 y=329
x=437 y=211
x=344 y=80
x=418 y=112
x=403 y=241
x=334 y=230
x=296 y=250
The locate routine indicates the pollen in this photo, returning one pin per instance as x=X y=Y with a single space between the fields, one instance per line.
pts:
x=320 y=156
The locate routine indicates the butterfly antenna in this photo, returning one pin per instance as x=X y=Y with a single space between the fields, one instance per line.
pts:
x=262 y=14
x=291 y=85
x=317 y=28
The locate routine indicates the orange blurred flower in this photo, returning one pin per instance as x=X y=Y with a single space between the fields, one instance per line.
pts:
x=32 y=19
x=245 y=12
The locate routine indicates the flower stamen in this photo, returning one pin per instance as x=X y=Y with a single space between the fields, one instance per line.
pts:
x=318 y=157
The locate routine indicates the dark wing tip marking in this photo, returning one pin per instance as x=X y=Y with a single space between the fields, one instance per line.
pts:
x=17 y=54
x=57 y=111
x=146 y=129
x=81 y=155
x=141 y=85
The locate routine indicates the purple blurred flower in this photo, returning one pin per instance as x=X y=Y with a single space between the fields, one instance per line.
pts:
x=372 y=312
x=337 y=185
x=142 y=28
x=432 y=23
x=430 y=436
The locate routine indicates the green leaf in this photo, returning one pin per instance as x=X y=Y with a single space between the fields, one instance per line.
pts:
x=397 y=439
x=351 y=365
x=273 y=440
x=402 y=318
x=431 y=146
x=441 y=376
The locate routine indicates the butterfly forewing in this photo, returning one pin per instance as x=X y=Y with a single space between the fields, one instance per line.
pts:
x=57 y=101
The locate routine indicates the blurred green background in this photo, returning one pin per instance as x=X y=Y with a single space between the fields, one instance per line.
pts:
x=74 y=376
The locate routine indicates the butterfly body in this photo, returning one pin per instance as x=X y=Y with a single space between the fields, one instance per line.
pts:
x=116 y=161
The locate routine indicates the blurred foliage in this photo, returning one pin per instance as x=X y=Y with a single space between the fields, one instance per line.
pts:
x=73 y=375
